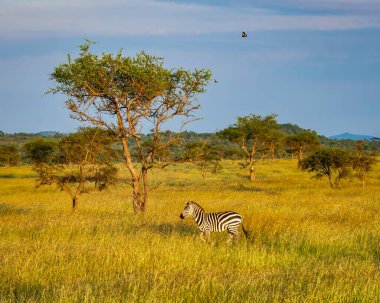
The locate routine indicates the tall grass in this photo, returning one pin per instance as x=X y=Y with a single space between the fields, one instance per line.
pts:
x=307 y=243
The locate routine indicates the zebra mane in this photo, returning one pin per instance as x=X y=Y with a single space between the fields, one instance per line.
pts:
x=196 y=204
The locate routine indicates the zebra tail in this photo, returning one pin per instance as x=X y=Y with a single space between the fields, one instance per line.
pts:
x=246 y=234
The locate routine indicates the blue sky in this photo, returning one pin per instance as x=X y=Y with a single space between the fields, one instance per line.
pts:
x=314 y=63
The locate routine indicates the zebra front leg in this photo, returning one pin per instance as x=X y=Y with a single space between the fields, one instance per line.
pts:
x=203 y=237
x=207 y=233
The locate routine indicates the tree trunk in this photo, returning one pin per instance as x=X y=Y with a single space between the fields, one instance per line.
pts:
x=252 y=175
x=272 y=150
x=136 y=196
x=137 y=200
x=75 y=202
x=330 y=181
x=204 y=176
x=300 y=155
x=146 y=189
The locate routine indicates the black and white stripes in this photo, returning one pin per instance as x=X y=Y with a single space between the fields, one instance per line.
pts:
x=213 y=222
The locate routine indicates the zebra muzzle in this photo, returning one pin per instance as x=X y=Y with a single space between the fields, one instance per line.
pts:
x=182 y=216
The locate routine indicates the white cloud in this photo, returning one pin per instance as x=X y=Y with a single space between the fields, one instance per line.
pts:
x=149 y=17
x=342 y=6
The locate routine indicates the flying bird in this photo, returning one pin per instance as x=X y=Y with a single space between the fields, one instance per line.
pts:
x=243 y=35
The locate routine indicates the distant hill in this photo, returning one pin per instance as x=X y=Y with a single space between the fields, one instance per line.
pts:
x=349 y=136
x=21 y=138
x=292 y=129
x=48 y=133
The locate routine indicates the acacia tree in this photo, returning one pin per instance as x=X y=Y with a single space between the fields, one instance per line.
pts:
x=254 y=135
x=9 y=155
x=127 y=95
x=333 y=163
x=362 y=163
x=275 y=140
x=83 y=164
x=302 y=143
x=205 y=156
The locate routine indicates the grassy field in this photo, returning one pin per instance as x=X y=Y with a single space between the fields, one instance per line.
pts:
x=308 y=243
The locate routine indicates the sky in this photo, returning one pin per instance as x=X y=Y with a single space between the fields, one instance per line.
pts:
x=315 y=63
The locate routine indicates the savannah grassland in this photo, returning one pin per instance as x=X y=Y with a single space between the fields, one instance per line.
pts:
x=308 y=243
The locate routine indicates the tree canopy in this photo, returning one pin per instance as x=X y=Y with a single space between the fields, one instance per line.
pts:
x=333 y=163
x=84 y=157
x=128 y=95
x=302 y=142
x=254 y=134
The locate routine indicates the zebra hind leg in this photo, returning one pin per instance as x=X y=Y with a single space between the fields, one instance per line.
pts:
x=230 y=237
x=233 y=235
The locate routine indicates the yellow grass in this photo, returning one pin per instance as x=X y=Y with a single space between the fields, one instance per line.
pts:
x=308 y=243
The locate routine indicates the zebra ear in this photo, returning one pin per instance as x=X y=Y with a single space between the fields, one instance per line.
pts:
x=187 y=203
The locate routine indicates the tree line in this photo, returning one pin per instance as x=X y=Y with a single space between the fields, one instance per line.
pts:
x=122 y=98
x=85 y=161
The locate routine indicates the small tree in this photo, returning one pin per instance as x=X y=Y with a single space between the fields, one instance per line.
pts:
x=84 y=158
x=335 y=164
x=302 y=143
x=362 y=163
x=205 y=156
x=9 y=155
x=275 y=140
x=253 y=134
x=127 y=95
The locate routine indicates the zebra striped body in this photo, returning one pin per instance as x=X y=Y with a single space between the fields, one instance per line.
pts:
x=213 y=222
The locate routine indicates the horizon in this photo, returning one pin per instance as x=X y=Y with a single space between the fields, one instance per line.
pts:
x=200 y=132
x=315 y=64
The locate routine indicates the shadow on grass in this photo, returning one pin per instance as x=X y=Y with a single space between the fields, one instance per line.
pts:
x=168 y=229
x=6 y=209
x=25 y=292
x=7 y=176
x=13 y=176
x=243 y=187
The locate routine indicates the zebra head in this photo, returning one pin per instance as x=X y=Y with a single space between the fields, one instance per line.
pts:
x=188 y=211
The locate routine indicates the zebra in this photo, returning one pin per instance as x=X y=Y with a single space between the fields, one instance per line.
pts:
x=214 y=222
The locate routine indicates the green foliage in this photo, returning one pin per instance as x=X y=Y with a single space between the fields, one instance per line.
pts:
x=88 y=145
x=205 y=156
x=113 y=84
x=41 y=150
x=291 y=129
x=9 y=155
x=68 y=178
x=256 y=136
x=125 y=95
x=372 y=146
x=251 y=130
x=302 y=143
x=83 y=158
x=362 y=162
x=335 y=164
